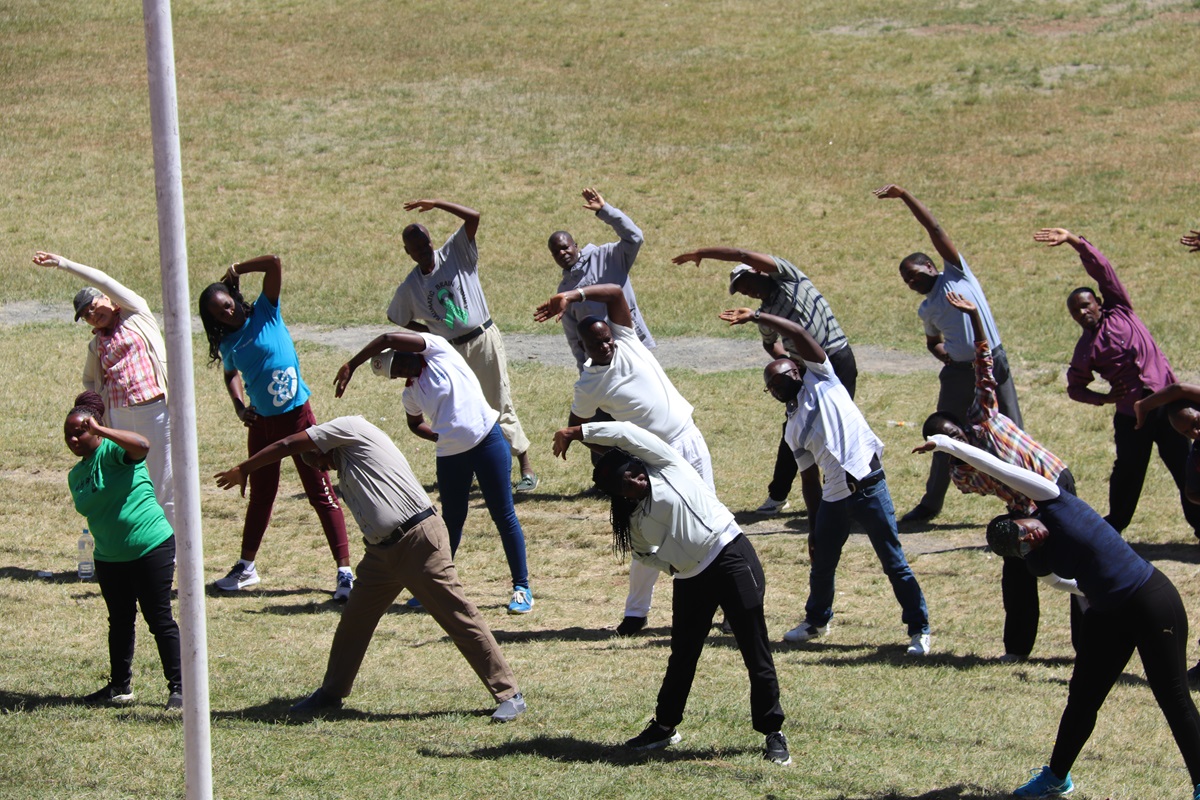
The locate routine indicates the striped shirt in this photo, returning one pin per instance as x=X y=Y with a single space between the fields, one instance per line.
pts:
x=990 y=430
x=129 y=378
x=795 y=298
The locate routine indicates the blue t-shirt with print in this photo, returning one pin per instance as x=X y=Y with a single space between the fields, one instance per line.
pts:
x=262 y=350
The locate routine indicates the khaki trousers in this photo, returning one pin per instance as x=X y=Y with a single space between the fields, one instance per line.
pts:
x=486 y=357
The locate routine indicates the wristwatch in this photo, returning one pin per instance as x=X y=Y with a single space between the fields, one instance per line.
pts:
x=757 y=314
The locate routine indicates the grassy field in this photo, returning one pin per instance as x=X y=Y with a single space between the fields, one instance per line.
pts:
x=307 y=123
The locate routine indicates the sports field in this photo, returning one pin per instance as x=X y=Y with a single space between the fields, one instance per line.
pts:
x=305 y=126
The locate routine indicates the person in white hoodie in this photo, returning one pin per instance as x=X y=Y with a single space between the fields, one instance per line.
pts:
x=126 y=365
x=670 y=519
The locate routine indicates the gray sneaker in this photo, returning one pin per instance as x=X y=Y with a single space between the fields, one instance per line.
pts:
x=510 y=709
x=239 y=577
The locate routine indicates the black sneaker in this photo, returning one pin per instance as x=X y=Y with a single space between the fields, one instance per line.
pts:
x=1193 y=677
x=631 y=625
x=775 y=750
x=315 y=703
x=109 y=696
x=654 y=737
x=175 y=701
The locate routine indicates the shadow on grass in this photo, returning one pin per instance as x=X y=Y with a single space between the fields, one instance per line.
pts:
x=845 y=655
x=44 y=576
x=1187 y=552
x=139 y=710
x=956 y=792
x=570 y=750
x=275 y=712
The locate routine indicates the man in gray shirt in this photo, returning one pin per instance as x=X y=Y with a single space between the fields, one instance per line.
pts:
x=407 y=547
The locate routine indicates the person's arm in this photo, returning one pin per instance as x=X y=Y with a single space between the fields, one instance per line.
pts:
x=760 y=262
x=630 y=235
x=1176 y=391
x=629 y=437
x=399 y=341
x=806 y=346
x=985 y=381
x=810 y=488
x=289 y=446
x=1080 y=376
x=271 y=268
x=237 y=393
x=1112 y=291
x=936 y=345
x=1028 y=483
x=937 y=235
x=469 y=216
x=1061 y=584
x=775 y=349
x=608 y=293
x=418 y=425
x=1191 y=240
x=135 y=445
x=113 y=288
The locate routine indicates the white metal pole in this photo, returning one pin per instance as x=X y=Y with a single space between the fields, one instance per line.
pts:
x=172 y=244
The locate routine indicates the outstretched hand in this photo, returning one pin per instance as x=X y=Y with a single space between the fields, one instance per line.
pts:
x=420 y=205
x=1191 y=240
x=737 y=316
x=1053 y=237
x=230 y=478
x=961 y=303
x=889 y=191
x=564 y=437
x=592 y=200
x=555 y=307
x=683 y=258
x=44 y=259
x=344 y=373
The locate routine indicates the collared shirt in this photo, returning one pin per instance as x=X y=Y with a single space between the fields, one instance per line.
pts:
x=129 y=375
x=1120 y=348
x=448 y=395
x=943 y=319
x=795 y=298
x=449 y=300
x=990 y=430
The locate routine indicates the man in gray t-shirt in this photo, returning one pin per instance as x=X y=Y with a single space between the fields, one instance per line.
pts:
x=407 y=547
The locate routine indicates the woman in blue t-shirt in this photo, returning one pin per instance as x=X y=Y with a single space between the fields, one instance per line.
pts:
x=262 y=376
x=1130 y=604
x=135 y=546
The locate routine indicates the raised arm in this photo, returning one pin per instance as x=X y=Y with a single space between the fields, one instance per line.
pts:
x=469 y=216
x=806 y=346
x=134 y=444
x=1113 y=292
x=1176 y=391
x=608 y=293
x=629 y=234
x=1028 y=483
x=985 y=381
x=760 y=262
x=1191 y=240
x=399 y=341
x=272 y=271
x=292 y=445
x=937 y=235
x=113 y=288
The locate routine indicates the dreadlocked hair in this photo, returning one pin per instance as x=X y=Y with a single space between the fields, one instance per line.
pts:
x=214 y=330
x=608 y=475
x=88 y=404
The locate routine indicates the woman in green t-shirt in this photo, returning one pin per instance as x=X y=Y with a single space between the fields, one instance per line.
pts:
x=135 y=546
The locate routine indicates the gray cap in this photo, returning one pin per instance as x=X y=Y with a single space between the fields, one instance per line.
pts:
x=737 y=272
x=84 y=298
x=381 y=364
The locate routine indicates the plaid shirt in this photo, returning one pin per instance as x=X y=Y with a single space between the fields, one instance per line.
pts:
x=128 y=371
x=796 y=299
x=990 y=430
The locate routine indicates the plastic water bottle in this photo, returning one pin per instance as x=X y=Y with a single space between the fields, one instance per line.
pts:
x=87 y=565
x=898 y=423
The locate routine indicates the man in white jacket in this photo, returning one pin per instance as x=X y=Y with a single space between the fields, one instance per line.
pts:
x=671 y=520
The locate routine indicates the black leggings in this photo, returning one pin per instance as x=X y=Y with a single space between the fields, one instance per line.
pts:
x=1154 y=621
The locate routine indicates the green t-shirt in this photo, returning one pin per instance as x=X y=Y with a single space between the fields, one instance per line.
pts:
x=117 y=497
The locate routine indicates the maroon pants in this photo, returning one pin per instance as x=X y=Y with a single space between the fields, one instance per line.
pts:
x=264 y=485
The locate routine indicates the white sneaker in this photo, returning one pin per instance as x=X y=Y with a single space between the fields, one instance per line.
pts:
x=805 y=631
x=241 y=576
x=345 y=582
x=770 y=507
x=919 y=646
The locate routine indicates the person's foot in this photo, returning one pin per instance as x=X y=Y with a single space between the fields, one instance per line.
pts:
x=414 y=604
x=1193 y=676
x=175 y=701
x=920 y=513
x=510 y=709
x=775 y=749
x=109 y=695
x=631 y=625
x=522 y=600
x=805 y=632
x=1011 y=658
x=528 y=483
x=771 y=507
x=919 y=645
x=315 y=703
x=241 y=576
x=1045 y=783
x=345 y=582
x=653 y=738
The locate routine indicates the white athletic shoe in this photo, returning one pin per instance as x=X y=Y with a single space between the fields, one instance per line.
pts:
x=919 y=646
x=770 y=507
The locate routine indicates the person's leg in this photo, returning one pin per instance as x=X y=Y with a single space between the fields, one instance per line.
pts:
x=264 y=485
x=1108 y=641
x=691 y=445
x=1162 y=643
x=154 y=574
x=153 y=421
x=957 y=390
x=1006 y=390
x=872 y=508
x=1134 y=447
x=741 y=587
x=785 y=472
x=319 y=490
x=117 y=587
x=454 y=476
x=828 y=537
x=1173 y=450
x=493 y=462
x=693 y=605
x=379 y=582
x=423 y=559
x=641 y=589
x=487 y=358
x=1019 y=594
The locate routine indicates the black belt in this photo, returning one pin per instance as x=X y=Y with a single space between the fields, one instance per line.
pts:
x=872 y=478
x=403 y=528
x=473 y=335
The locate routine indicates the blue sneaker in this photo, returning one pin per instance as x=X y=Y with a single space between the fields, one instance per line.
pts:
x=522 y=600
x=1196 y=794
x=1045 y=783
x=414 y=604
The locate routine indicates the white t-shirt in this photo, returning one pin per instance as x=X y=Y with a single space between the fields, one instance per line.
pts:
x=449 y=300
x=633 y=388
x=826 y=428
x=448 y=395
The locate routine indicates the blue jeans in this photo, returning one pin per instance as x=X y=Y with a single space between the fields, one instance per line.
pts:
x=490 y=462
x=872 y=508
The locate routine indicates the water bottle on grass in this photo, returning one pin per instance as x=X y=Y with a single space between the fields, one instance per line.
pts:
x=87 y=565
